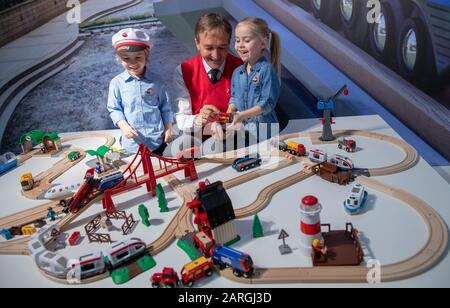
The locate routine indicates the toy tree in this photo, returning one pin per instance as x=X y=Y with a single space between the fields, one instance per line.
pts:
x=143 y=212
x=100 y=154
x=162 y=201
x=257 y=227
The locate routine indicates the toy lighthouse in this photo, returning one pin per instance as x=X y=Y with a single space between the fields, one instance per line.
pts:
x=310 y=229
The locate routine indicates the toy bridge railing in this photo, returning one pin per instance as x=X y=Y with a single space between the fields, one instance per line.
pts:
x=131 y=180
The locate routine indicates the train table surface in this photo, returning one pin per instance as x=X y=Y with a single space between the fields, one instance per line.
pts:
x=389 y=229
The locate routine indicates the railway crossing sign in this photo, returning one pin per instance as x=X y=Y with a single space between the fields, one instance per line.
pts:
x=283 y=235
x=284 y=249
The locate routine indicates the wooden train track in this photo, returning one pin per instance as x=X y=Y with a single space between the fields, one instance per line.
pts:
x=410 y=160
x=431 y=253
x=45 y=179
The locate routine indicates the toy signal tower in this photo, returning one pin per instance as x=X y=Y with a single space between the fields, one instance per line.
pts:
x=327 y=106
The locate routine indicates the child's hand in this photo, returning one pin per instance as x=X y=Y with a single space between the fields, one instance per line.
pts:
x=238 y=119
x=127 y=130
x=217 y=131
x=168 y=138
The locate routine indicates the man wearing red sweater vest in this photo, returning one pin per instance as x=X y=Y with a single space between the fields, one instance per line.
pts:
x=203 y=83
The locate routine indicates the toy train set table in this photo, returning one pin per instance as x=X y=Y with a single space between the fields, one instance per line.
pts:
x=161 y=215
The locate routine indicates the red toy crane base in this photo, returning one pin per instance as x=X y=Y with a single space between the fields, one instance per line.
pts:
x=131 y=181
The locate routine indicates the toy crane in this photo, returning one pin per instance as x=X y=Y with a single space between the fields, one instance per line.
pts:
x=327 y=106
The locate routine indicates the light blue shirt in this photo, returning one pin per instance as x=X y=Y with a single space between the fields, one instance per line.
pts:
x=142 y=103
x=260 y=88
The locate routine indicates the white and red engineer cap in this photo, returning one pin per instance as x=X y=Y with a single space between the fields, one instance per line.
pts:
x=131 y=40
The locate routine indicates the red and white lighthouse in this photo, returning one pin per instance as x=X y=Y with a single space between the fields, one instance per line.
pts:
x=310 y=229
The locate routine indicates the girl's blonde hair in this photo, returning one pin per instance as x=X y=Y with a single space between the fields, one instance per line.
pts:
x=260 y=27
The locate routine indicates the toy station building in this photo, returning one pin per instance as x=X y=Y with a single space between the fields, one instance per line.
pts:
x=214 y=213
x=50 y=141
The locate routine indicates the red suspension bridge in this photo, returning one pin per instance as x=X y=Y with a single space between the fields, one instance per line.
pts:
x=131 y=180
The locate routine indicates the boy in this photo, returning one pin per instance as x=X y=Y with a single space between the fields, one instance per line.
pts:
x=137 y=104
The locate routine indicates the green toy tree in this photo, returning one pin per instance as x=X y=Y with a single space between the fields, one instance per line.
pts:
x=143 y=212
x=257 y=227
x=162 y=201
x=99 y=153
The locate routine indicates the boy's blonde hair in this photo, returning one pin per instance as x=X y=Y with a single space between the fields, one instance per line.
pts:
x=118 y=59
x=260 y=27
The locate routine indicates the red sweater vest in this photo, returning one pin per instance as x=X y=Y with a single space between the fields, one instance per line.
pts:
x=200 y=88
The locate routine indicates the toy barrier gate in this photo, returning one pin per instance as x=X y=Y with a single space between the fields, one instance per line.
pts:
x=93 y=237
x=129 y=220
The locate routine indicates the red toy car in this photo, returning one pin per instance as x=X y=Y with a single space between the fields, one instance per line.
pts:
x=348 y=145
x=223 y=118
x=168 y=278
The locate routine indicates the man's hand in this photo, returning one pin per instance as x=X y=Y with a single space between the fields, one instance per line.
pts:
x=207 y=113
x=127 y=130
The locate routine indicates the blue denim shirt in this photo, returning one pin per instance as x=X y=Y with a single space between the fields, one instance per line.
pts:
x=260 y=88
x=144 y=104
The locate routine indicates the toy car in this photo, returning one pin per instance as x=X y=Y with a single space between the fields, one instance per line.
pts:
x=356 y=199
x=223 y=118
x=196 y=270
x=348 y=145
x=247 y=162
x=73 y=156
x=168 y=278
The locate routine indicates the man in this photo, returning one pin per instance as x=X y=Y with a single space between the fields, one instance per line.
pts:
x=203 y=83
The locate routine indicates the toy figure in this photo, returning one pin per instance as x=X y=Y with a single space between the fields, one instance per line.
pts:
x=98 y=168
x=319 y=249
x=51 y=214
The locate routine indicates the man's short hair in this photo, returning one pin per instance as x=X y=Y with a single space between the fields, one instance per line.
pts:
x=210 y=22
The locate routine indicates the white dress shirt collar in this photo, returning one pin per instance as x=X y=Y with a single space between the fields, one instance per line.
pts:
x=208 y=68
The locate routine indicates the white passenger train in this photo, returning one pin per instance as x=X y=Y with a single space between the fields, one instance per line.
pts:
x=319 y=156
x=93 y=264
